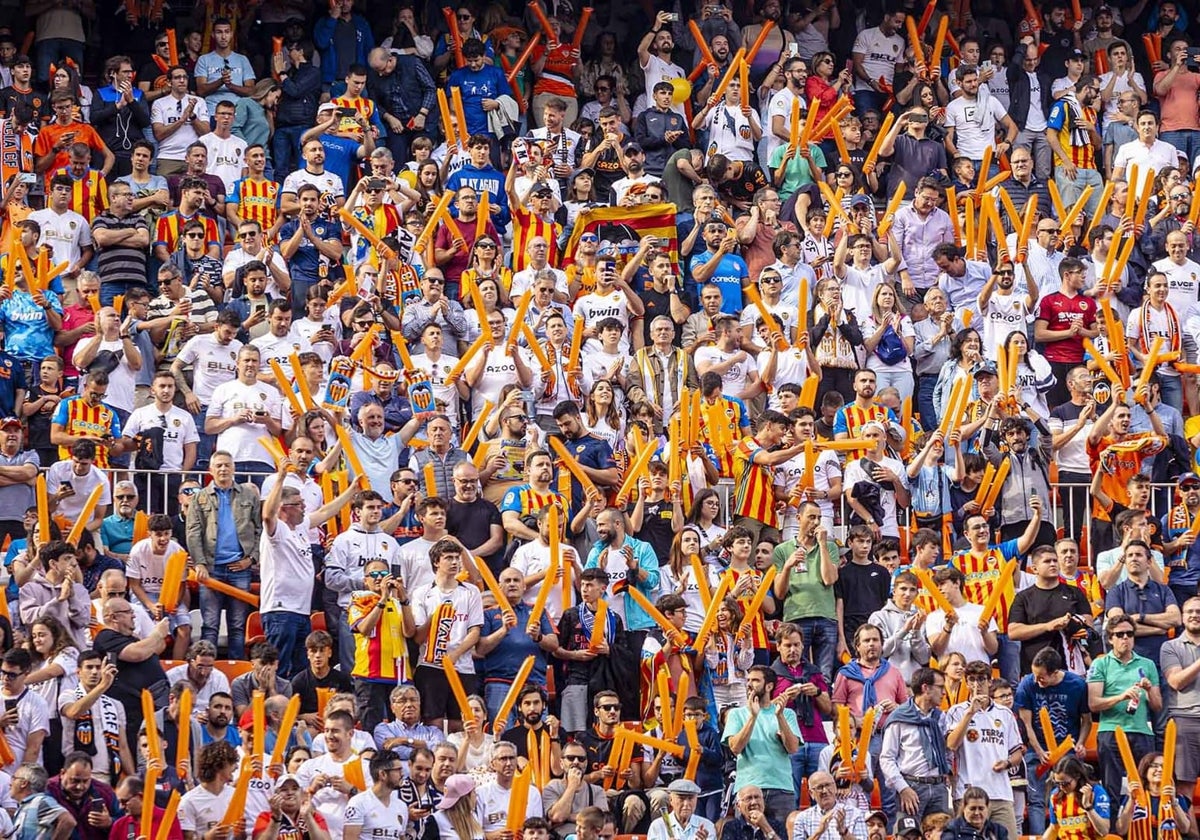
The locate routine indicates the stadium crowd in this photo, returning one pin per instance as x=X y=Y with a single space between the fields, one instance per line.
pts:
x=750 y=420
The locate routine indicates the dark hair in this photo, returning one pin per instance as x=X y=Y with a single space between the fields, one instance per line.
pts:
x=214 y=758
x=1048 y=659
x=922 y=678
x=383 y=760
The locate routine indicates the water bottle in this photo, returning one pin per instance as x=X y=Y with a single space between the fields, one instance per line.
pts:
x=1132 y=706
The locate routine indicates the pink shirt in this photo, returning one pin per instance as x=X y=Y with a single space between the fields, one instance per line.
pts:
x=1180 y=110
x=888 y=687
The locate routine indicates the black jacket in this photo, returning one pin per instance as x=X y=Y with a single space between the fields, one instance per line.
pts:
x=959 y=829
x=301 y=95
x=119 y=128
x=1019 y=89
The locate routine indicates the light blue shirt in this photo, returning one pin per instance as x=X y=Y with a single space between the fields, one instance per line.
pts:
x=228 y=548
x=27 y=334
x=209 y=68
x=763 y=762
x=647 y=561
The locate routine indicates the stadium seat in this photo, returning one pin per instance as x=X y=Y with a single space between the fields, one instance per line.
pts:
x=317 y=620
x=233 y=668
x=254 y=629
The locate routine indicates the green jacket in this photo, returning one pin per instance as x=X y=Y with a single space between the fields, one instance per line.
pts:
x=202 y=523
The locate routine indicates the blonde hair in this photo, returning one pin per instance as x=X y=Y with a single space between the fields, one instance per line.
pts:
x=461 y=815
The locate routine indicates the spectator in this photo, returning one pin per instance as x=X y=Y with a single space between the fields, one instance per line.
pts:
x=761 y=735
x=38 y=811
x=178 y=120
x=1123 y=689
x=223 y=529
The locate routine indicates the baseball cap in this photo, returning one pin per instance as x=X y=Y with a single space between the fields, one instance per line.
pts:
x=1186 y=478
x=633 y=147
x=877 y=815
x=541 y=187
x=984 y=369
x=907 y=824
x=287 y=777
x=457 y=786
x=21 y=59
x=326 y=107
x=9 y=422
x=859 y=201
x=1076 y=55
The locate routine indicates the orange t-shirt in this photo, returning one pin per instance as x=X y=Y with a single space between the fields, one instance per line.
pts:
x=50 y=134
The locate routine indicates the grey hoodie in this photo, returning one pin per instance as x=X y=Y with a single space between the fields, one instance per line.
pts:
x=904 y=651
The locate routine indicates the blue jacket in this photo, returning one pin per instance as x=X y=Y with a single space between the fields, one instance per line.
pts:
x=325 y=42
x=709 y=774
x=301 y=95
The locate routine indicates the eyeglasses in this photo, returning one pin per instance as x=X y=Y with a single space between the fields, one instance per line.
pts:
x=373 y=191
x=604 y=89
x=125 y=496
x=406 y=480
x=607 y=707
x=378 y=575
x=574 y=758
x=193 y=236
x=248 y=234
x=14 y=675
x=521 y=417
x=978 y=678
x=1179 y=196
x=1118 y=634
x=189 y=491
x=435 y=281
x=465 y=17
x=1048 y=230
x=845 y=174
x=491 y=246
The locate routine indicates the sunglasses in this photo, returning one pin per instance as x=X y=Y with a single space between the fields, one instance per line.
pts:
x=1119 y=634
x=378 y=575
x=124 y=497
x=607 y=707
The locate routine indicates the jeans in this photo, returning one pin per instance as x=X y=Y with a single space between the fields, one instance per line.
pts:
x=256 y=472
x=53 y=51
x=1171 y=391
x=493 y=696
x=1070 y=190
x=213 y=603
x=287 y=631
x=820 y=643
x=1035 y=796
x=345 y=642
x=285 y=148
x=805 y=762
x=208 y=443
x=1039 y=147
x=925 y=409
x=1009 y=658
x=901 y=380
x=934 y=799
x=866 y=100
x=1185 y=140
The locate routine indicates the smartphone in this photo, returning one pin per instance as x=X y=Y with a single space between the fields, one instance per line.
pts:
x=850 y=66
x=112 y=660
x=28 y=178
x=673 y=17
x=68 y=485
x=793 y=49
x=260 y=307
x=664 y=243
x=10 y=704
x=347 y=112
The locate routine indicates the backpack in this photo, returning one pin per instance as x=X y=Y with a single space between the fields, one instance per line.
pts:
x=891 y=349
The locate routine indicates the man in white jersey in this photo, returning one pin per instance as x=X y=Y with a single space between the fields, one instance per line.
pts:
x=286 y=563
x=203 y=807
x=612 y=298
x=178 y=443
x=348 y=556
x=244 y=410
x=279 y=342
x=875 y=53
x=1183 y=274
x=288 y=810
x=379 y=813
x=827 y=476
x=437 y=365
x=324 y=777
x=226 y=151
x=333 y=191
x=492 y=369
x=213 y=359
x=532 y=560
x=654 y=56
x=779 y=111
x=494 y=797
x=448 y=617
x=145 y=571
x=738 y=371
